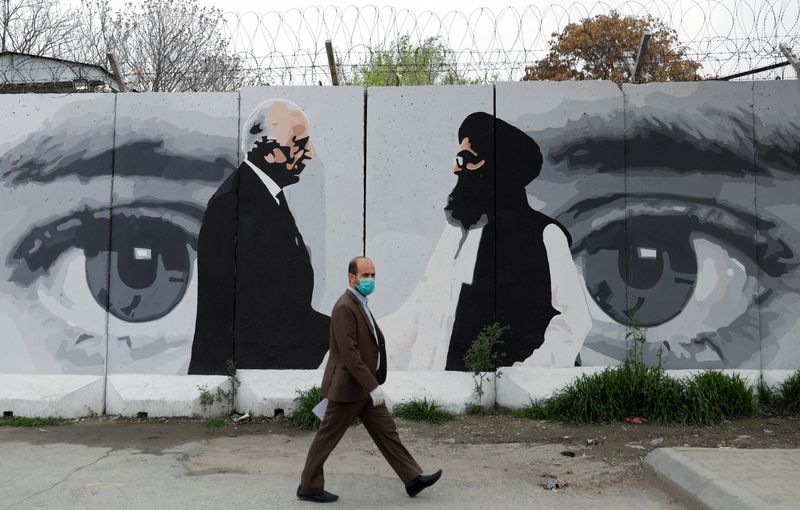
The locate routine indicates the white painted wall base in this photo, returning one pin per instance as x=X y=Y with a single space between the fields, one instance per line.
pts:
x=163 y=395
x=65 y=396
x=772 y=378
x=262 y=392
x=518 y=386
x=451 y=390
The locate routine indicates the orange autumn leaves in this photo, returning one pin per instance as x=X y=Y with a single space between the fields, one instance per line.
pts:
x=594 y=49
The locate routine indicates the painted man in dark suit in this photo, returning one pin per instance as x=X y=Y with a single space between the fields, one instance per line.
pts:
x=255 y=275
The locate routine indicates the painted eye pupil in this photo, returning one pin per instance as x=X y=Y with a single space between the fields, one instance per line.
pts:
x=148 y=270
x=653 y=282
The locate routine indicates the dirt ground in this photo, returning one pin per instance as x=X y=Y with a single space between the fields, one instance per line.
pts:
x=606 y=456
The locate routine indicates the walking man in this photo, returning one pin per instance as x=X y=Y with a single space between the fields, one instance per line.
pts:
x=352 y=382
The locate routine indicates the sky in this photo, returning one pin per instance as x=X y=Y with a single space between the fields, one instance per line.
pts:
x=439 y=6
x=724 y=29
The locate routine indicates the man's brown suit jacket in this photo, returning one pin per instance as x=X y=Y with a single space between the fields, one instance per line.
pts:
x=352 y=372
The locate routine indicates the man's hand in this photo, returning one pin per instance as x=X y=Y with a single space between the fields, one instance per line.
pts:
x=378 y=396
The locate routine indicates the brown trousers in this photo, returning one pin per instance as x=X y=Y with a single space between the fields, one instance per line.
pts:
x=381 y=427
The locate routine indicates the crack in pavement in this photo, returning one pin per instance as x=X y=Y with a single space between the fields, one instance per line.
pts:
x=26 y=498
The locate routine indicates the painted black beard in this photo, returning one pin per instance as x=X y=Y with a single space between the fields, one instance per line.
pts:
x=470 y=200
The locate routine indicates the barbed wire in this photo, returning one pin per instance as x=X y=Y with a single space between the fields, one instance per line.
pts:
x=482 y=46
x=288 y=47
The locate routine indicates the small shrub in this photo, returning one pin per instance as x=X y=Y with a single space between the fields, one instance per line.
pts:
x=788 y=395
x=421 y=410
x=481 y=357
x=206 y=397
x=23 y=421
x=227 y=397
x=475 y=409
x=214 y=422
x=303 y=416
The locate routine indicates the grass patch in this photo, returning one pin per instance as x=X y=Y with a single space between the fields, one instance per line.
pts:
x=635 y=389
x=535 y=411
x=22 y=421
x=787 y=400
x=303 y=416
x=422 y=410
x=215 y=422
x=766 y=396
x=475 y=409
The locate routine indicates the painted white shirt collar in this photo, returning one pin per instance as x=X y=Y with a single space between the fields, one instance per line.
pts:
x=273 y=188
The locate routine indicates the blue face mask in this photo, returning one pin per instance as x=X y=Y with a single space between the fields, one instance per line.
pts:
x=366 y=286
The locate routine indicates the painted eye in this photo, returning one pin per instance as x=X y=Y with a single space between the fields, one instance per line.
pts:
x=651 y=280
x=689 y=272
x=143 y=277
x=63 y=268
x=148 y=269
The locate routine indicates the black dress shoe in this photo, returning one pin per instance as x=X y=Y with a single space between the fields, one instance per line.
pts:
x=323 y=497
x=422 y=481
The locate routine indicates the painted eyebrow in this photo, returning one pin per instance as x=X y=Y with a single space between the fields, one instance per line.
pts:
x=652 y=144
x=61 y=232
x=772 y=254
x=151 y=161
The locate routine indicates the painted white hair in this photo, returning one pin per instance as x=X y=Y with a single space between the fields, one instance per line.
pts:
x=257 y=126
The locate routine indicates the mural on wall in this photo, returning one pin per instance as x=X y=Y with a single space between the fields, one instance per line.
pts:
x=657 y=187
x=172 y=151
x=69 y=311
x=132 y=241
x=55 y=192
x=424 y=254
x=690 y=227
x=273 y=322
x=494 y=258
x=524 y=276
x=278 y=229
x=777 y=159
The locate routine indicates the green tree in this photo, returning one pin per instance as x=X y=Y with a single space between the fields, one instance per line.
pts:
x=595 y=49
x=407 y=63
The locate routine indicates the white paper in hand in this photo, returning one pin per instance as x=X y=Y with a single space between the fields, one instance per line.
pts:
x=320 y=408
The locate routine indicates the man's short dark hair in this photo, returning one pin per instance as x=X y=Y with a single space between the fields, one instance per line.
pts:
x=352 y=267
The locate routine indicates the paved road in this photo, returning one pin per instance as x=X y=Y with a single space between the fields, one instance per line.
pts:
x=179 y=466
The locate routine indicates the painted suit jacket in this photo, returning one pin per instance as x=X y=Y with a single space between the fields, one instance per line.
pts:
x=255 y=284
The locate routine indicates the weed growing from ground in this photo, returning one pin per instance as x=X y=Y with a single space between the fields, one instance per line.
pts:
x=422 y=410
x=226 y=397
x=482 y=358
x=303 y=416
x=788 y=395
x=473 y=408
